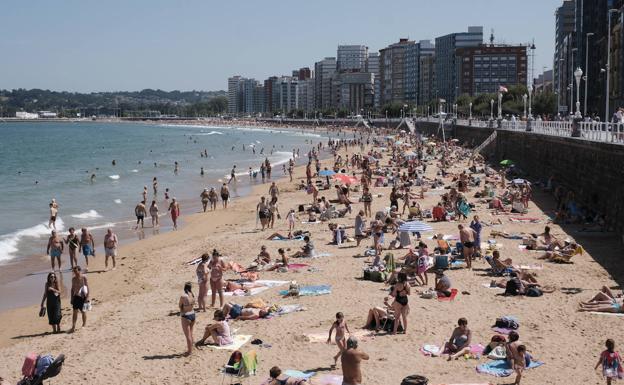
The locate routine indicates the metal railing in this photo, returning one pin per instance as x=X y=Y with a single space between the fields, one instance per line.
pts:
x=603 y=132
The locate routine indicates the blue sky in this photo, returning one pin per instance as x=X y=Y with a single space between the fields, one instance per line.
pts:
x=107 y=45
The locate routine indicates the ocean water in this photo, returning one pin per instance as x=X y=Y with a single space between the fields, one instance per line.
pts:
x=45 y=160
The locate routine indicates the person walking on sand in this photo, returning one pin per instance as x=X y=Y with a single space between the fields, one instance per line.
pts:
x=52 y=300
x=202 y=280
x=73 y=242
x=110 y=247
x=611 y=363
x=340 y=325
x=187 y=316
x=225 y=195
x=213 y=198
x=55 y=249
x=87 y=244
x=350 y=360
x=205 y=198
x=79 y=297
x=467 y=237
x=217 y=266
x=139 y=212
x=53 y=214
x=233 y=175
x=274 y=192
x=153 y=210
x=174 y=209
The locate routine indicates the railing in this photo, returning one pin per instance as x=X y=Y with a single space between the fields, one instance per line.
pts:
x=559 y=128
x=513 y=125
x=603 y=132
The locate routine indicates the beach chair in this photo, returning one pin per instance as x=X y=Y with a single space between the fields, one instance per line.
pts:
x=239 y=367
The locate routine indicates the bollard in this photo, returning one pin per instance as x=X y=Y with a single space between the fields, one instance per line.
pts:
x=576 y=127
x=529 y=125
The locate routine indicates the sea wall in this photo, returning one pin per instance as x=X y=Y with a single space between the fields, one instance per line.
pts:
x=593 y=170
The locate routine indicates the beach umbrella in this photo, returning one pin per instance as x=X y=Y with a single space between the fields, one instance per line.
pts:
x=415 y=227
x=409 y=154
x=326 y=173
x=346 y=179
x=506 y=162
x=454 y=140
x=399 y=142
x=520 y=181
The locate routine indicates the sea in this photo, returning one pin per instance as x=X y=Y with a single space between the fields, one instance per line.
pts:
x=41 y=161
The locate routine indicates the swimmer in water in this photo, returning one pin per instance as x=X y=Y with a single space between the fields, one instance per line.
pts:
x=201 y=171
x=92 y=178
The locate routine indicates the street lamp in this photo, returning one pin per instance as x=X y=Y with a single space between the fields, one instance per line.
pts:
x=470 y=110
x=578 y=73
x=491 y=109
x=608 y=62
x=530 y=104
x=524 y=101
x=500 y=105
x=587 y=35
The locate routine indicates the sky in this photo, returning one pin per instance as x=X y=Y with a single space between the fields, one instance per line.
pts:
x=129 y=45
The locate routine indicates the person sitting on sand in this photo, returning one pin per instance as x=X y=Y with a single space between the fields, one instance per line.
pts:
x=219 y=331
x=376 y=315
x=307 y=251
x=241 y=313
x=277 y=378
x=500 y=266
x=459 y=343
x=442 y=284
x=231 y=286
x=263 y=258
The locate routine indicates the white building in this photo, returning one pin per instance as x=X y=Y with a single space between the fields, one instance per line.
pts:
x=47 y=114
x=26 y=115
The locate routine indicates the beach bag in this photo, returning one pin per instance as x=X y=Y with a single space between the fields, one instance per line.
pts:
x=498 y=353
x=415 y=380
x=378 y=276
x=506 y=323
x=533 y=292
x=429 y=294
x=29 y=365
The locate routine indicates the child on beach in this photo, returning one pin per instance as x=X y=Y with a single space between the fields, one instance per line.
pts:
x=340 y=325
x=611 y=363
x=291 y=218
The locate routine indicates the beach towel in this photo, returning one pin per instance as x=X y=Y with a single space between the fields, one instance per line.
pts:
x=267 y=284
x=297 y=238
x=327 y=379
x=311 y=223
x=610 y=314
x=487 y=284
x=500 y=368
x=530 y=267
x=321 y=255
x=504 y=331
x=321 y=337
x=524 y=220
x=451 y=298
x=298 y=374
x=435 y=350
x=310 y=290
x=239 y=341
x=297 y=266
x=286 y=309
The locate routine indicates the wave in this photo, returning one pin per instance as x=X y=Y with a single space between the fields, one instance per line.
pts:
x=9 y=242
x=118 y=201
x=257 y=129
x=114 y=177
x=91 y=214
x=209 y=133
x=134 y=170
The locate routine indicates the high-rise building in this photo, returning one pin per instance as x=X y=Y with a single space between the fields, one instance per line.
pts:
x=485 y=68
x=355 y=91
x=372 y=66
x=304 y=73
x=351 y=58
x=426 y=84
x=391 y=71
x=446 y=63
x=270 y=89
x=324 y=71
x=234 y=100
x=544 y=82
x=305 y=95
x=411 y=71
x=287 y=88
x=564 y=38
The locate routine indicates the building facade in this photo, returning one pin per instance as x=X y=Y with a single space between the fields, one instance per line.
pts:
x=447 y=85
x=564 y=38
x=234 y=94
x=324 y=71
x=351 y=58
x=426 y=83
x=485 y=68
x=305 y=95
x=355 y=91
x=372 y=66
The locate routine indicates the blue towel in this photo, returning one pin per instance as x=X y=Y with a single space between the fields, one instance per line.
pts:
x=500 y=368
x=297 y=238
x=311 y=290
x=299 y=374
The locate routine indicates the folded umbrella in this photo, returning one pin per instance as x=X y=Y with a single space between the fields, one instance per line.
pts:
x=415 y=227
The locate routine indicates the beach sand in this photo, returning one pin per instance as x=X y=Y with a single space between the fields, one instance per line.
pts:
x=133 y=335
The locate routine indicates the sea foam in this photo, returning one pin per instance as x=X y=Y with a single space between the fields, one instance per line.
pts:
x=91 y=214
x=9 y=242
x=114 y=177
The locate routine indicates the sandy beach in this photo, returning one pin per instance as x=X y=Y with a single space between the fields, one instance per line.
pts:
x=133 y=335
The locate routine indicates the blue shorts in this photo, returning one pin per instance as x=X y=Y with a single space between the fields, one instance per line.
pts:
x=235 y=311
x=87 y=250
x=55 y=253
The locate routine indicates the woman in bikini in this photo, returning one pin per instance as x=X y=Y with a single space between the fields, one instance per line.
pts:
x=202 y=281
x=212 y=197
x=217 y=267
x=187 y=315
x=174 y=208
x=400 y=292
x=340 y=325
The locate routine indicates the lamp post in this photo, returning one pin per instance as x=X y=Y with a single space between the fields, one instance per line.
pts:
x=587 y=35
x=500 y=105
x=608 y=63
x=491 y=109
x=470 y=110
x=530 y=104
x=571 y=89
x=524 y=101
x=572 y=80
x=578 y=73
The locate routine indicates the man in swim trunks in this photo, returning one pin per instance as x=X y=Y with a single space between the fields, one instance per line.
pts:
x=87 y=244
x=73 y=242
x=140 y=213
x=79 y=296
x=53 y=214
x=467 y=237
x=351 y=359
x=110 y=247
x=55 y=248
